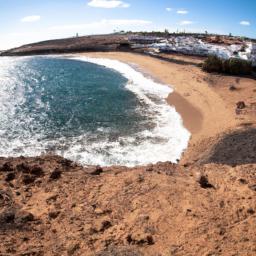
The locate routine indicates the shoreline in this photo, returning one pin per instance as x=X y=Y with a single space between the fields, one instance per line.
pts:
x=204 y=101
x=192 y=98
x=192 y=118
x=171 y=121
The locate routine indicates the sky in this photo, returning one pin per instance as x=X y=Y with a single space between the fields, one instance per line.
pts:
x=27 y=21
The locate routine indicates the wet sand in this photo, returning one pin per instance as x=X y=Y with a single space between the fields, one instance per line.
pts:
x=203 y=111
x=192 y=117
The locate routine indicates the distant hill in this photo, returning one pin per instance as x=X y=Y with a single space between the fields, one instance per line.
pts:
x=153 y=43
x=68 y=45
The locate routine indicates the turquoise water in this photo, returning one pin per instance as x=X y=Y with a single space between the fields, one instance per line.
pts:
x=74 y=108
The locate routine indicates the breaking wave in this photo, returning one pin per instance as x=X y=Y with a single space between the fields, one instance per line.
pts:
x=152 y=131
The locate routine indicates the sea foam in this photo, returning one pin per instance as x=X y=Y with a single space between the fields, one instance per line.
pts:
x=166 y=141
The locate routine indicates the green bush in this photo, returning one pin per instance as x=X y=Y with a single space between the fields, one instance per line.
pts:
x=240 y=67
x=225 y=66
x=212 y=64
x=233 y=66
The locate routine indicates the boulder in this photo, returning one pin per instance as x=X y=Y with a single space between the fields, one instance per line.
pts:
x=204 y=183
x=240 y=105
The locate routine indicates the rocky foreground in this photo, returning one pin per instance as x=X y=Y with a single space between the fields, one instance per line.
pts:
x=52 y=206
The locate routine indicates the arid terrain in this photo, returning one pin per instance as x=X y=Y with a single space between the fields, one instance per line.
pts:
x=205 y=205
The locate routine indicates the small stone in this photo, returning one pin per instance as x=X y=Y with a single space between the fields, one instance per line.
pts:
x=10 y=176
x=97 y=171
x=98 y=211
x=52 y=198
x=25 y=239
x=250 y=211
x=23 y=168
x=73 y=248
x=243 y=181
x=106 y=224
x=141 y=178
x=6 y=168
x=253 y=187
x=150 y=168
x=150 y=240
x=37 y=171
x=53 y=214
x=222 y=204
x=140 y=239
x=232 y=88
x=28 y=179
x=66 y=163
x=222 y=232
x=100 y=226
x=7 y=217
x=25 y=217
x=56 y=174
x=240 y=105
x=204 y=183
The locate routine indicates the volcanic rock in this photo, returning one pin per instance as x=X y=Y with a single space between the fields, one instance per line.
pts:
x=240 y=105
x=56 y=174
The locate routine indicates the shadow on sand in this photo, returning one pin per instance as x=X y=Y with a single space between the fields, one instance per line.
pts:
x=236 y=148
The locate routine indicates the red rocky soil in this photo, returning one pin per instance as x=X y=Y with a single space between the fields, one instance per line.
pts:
x=51 y=206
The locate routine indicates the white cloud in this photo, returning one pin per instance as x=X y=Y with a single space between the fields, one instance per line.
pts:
x=168 y=9
x=186 y=22
x=32 y=18
x=183 y=12
x=245 y=23
x=108 y=4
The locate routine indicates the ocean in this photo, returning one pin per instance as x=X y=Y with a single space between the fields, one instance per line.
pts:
x=92 y=111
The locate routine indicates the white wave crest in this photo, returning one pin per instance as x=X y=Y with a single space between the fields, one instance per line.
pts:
x=166 y=142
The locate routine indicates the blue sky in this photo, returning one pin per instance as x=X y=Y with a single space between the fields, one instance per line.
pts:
x=25 y=21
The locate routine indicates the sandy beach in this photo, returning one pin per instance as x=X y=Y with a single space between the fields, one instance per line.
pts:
x=204 y=100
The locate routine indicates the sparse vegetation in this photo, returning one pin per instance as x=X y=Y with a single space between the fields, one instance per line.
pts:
x=213 y=64
x=233 y=66
x=238 y=66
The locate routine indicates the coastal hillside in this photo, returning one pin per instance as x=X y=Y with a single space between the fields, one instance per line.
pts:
x=77 y=44
x=154 y=44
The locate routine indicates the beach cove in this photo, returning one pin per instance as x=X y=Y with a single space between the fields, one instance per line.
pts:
x=204 y=111
x=203 y=205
